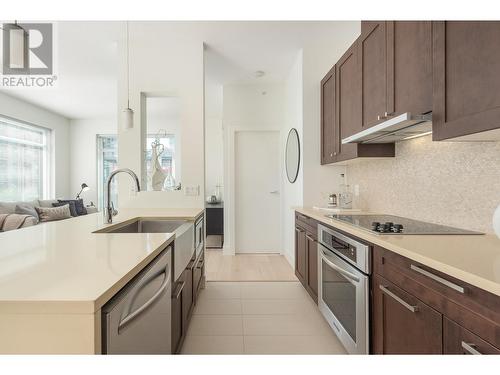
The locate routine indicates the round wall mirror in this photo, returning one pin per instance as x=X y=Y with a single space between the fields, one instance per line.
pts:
x=292 y=155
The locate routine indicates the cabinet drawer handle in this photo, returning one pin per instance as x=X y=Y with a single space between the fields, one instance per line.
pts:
x=310 y=238
x=179 y=289
x=384 y=290
x=470 y=348
x=430 y=275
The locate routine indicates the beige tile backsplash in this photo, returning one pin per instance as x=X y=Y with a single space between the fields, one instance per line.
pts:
x=453 y=183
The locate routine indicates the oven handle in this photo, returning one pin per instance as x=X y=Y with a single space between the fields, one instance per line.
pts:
x=347 y=274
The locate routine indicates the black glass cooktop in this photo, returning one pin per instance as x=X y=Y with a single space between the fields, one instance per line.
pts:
x=394 y=225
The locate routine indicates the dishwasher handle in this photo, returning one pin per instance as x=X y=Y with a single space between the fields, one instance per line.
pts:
x=129 y=316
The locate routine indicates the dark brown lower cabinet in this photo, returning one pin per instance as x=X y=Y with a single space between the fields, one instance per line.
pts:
x=184 y=294
x=312 y=266
x=306 y=254
x=177 y=316
x=459 y=340
x=416 y=309
x=300 y=254
x=402 y=324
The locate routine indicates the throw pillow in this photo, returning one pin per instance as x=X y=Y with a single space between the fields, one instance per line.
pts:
x=80 y=207
x=46 y=202
x=26 y=209
x=71 y=204
x=55 y=213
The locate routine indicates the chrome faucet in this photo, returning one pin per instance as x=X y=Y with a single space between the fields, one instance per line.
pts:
x=110 y=208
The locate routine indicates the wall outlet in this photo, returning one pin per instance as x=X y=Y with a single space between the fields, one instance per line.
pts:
x=192 y=190
x=356 y=190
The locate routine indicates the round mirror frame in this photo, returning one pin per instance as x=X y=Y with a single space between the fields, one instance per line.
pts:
x=296 y=173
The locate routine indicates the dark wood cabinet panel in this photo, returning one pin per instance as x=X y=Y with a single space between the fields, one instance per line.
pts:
x=312 y=266
x=409 y=67
x=328 y=127
x=177 y=322
x=300 y=254
x=466 y=88
x=373 y=69
x=306 y=253
x=458 y=340
x=402 y=324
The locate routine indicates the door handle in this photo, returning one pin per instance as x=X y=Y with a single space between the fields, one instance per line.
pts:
x=384 y=290
x=470 y=348
x=340 y=270
x=274 y=192
x=130 y=316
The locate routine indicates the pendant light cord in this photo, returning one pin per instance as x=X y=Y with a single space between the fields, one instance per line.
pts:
x=128 y=70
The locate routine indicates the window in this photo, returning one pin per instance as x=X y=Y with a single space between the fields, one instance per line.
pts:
x=167 y=158
x=107 y=162
x=24 y=161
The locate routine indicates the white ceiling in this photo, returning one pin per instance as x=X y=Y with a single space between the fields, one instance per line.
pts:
x=87 y=62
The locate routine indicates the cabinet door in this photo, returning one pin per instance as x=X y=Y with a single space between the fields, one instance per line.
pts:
x=312 y=266
x=176 y=318
x=409 y=67
x=466 y=66
x=328 y=135
x=458 y=340
x=300 y=255
x=373 y=70
x=348 y=105
x=187 y=297
x=402 y=324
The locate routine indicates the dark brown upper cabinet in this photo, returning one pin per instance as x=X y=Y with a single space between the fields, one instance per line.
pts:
x=373 y=70
x=328 y=127
x=466 y=88
x=347 y=110
x=395 y=59
x=409 y=67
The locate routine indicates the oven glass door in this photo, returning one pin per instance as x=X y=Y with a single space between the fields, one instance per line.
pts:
x=339 y=294
x=344 y=295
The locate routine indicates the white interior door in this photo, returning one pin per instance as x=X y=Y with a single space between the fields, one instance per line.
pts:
x=257 y=191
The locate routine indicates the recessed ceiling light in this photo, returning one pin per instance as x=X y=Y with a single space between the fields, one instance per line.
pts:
x=259 y=73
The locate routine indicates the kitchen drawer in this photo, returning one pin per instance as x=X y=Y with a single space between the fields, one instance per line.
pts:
x=458 y=340
x=474 y=309
x=308 y=224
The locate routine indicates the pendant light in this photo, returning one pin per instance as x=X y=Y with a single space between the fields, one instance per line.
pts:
x=17 y=41
x=127 y=113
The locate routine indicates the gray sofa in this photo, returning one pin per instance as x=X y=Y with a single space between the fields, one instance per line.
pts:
x=8 y=208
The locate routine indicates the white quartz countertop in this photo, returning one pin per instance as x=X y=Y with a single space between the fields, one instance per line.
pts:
x=474 y=259
x=63 y=267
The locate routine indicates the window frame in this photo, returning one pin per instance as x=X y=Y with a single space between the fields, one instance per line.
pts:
x=99 y=170
x=48 y=160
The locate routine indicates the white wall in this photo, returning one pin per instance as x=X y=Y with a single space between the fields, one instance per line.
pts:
x=21 y=110
x=83 y=154
x=165 y=58
x=246 y=106
x=319 y=55
x=292 y=194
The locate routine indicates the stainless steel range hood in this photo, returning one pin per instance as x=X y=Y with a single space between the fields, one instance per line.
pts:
x=404 y=126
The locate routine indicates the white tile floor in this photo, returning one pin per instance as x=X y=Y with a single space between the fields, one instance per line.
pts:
x=258 y=318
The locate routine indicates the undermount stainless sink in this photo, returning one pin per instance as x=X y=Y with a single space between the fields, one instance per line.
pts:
x=147 y=226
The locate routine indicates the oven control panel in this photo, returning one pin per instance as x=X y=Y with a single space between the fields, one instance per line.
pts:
x=353 y=251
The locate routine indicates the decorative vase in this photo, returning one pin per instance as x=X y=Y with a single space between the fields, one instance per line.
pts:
x=158 y=175
x=496 y=221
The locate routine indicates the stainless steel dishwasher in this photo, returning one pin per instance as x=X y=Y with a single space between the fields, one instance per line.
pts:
x=138 y=319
